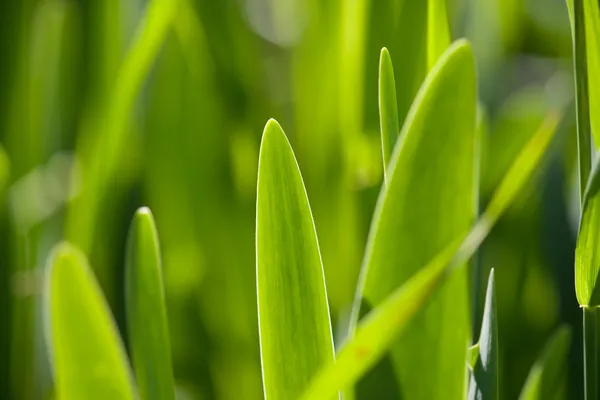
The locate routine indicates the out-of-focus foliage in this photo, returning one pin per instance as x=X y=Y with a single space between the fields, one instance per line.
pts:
x=187 y=115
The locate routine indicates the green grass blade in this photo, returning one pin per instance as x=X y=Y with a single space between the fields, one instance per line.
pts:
x=101 y=153
x=587 y=251
x=294 y=324
x=438 y=31
x=592 y=43
x=376 y=332
x=582 y=99
x=88 y=358
x=388 y=108
x=146 y=311
x=547 y=376
x=484 y=376
x=429 y=201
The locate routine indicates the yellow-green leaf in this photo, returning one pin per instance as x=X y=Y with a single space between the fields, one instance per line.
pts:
x=438 y=31
x=592 y=43
x=388 y=107
x=294 y=324
x=88 y=358
x=146 y=311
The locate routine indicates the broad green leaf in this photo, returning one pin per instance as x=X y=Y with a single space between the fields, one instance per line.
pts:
x=484 y=375
x=294 y=324
x=548 y=374
x=429 y=201
x=88 y=358
x=587 y=251
x=388 y=108
x=146 y=311
x=592 y=43
x=438 y=31
x=376 y=332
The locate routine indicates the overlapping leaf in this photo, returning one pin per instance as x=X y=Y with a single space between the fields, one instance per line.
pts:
x=430 y=200
x=376 y=332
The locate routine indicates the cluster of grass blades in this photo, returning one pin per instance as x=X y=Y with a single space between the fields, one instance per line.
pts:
x=410 y=325
x=411 y=311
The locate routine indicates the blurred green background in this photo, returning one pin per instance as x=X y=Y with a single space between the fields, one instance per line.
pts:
x=83 y=144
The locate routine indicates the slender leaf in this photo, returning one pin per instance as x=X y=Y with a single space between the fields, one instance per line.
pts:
x=429 y=201
x=89 y=360
x=484 y=376
x=438 y=31
x=591 y=11
x=376 y=332
x=587 y=251
x=388 y=108
x=146 y=311
x=294 y=324
x=548 y=374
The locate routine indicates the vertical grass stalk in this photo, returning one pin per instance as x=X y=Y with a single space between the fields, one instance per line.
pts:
x=590 y=353
x=590 y=361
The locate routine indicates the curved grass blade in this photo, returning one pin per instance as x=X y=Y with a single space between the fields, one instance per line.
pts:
x=146 y=311
x=429 y=201
x=388 y=108
x=88 y=358
x=438 y=31
x=587 y=251
x=484 y=375
x=376 y=332
x=294 y=323
x=547 y=376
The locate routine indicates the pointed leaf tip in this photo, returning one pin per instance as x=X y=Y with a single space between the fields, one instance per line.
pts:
x=294 y=330
x=146 y=310
x=87 y=355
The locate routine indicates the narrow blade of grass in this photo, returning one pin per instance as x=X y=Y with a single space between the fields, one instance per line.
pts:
x=429 y=200
x=88 y=358
x=294 y=324
x=484 y=376
x=592 y=44
x=376 y=332
x=438 y=31
x=548 y=375
x=146 y=311
x=388 y=108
